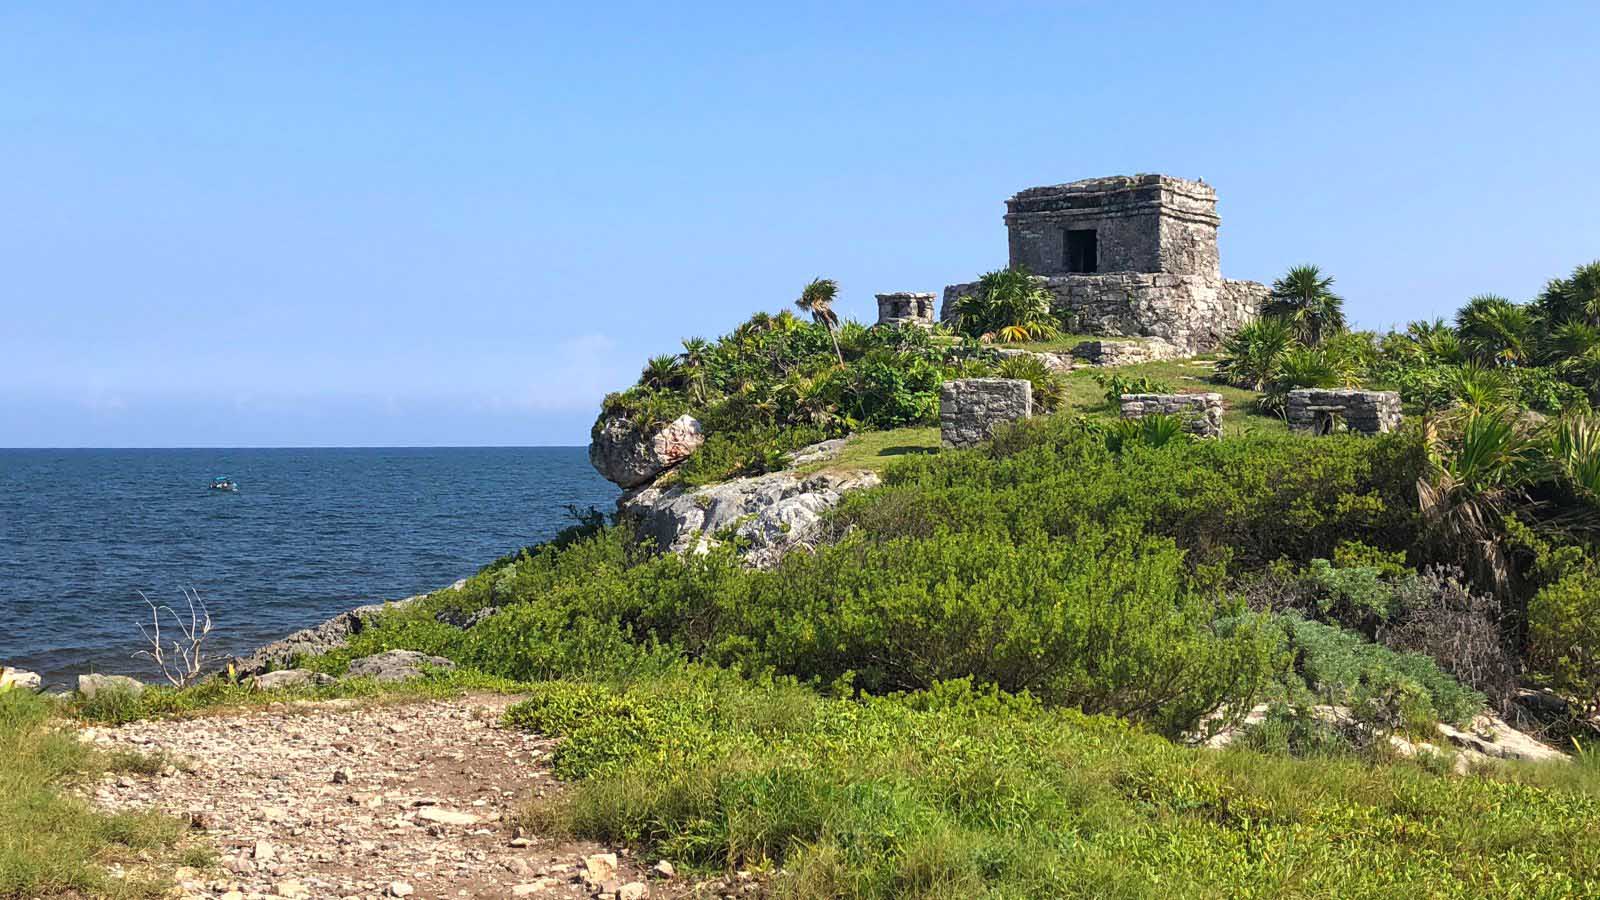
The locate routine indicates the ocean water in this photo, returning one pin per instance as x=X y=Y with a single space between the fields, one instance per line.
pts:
x=310 y=533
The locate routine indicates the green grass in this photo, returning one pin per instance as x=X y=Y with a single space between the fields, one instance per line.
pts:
x=1239 y=417
x=51 y=842
x=875 y=450
x=959 y=793
x=1063 y=343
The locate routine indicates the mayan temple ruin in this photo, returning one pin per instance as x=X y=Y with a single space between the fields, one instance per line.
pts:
x=1130 y=256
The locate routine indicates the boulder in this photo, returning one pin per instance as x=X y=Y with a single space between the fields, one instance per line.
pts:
x=397 y=665
x=19 y=678
x=91 y=686
x=629 y=456
x=319 y=639
x=291 y=678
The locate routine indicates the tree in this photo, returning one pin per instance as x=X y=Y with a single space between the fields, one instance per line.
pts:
x=1304 y=299
x=817 y=299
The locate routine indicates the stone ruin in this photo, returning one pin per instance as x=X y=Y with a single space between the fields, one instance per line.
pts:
x=1202 y=413
x=1128 y=256
x=970 y=408
x=906 y=308
x=1318 y=411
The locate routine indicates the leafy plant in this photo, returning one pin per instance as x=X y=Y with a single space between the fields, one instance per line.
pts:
x=1251 y=356
x=1049 y=388
x=1008 y=305
x=1304 y=300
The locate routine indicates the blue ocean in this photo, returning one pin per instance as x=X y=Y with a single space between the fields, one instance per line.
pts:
x=308 y=534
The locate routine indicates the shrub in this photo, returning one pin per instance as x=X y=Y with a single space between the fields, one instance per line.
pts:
x=1049 y=388
x=1564 y=636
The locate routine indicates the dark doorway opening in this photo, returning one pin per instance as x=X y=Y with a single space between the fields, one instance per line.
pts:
x=1083 y=251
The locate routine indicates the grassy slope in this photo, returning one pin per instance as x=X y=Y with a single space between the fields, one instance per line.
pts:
x=51 y=843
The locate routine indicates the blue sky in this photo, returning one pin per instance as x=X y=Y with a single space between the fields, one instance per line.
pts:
x=396 y=223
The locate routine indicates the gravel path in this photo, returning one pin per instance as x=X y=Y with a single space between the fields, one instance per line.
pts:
x=342 y=799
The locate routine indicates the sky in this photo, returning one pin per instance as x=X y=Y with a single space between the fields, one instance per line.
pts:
x=377 y=224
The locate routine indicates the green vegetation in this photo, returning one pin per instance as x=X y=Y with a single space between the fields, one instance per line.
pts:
x=52 y=843
x=960 y=792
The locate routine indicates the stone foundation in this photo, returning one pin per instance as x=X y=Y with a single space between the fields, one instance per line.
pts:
x=1317 y=411
x=1202 y=413
x=1191 y=312
x=1059 y=363
x=1123 y=353
x=906 y=308
x=970 y=408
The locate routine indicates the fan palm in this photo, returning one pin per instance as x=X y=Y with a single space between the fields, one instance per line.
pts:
x=1437 y=340
x=1477 y=475
x=1011 y=305
x=817 y=299
x=1304 y=298
x=1575 y=298
x=661 y=373
x=1496 y=331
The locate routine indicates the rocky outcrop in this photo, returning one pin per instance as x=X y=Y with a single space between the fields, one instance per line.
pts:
x=628 y=456
x=1486 y=738
x=765 y=515
x=319 y=639
x=20 y=679
x=397 y=665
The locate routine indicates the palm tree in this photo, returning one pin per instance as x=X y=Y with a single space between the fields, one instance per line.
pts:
x=661 y=372
x=1496 y=331
x=817 y=299
x=1575 y=298
x=1479 y=473
x=1303 y=298
x=1251 y=356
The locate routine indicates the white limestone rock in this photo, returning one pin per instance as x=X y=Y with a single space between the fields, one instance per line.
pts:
x=628 y=456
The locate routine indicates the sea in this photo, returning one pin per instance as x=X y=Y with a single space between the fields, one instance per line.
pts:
x=86 y=535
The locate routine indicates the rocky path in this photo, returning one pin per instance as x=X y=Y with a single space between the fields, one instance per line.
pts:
x=342 y=800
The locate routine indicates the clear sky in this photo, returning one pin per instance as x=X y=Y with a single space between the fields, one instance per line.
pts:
x=427 y=223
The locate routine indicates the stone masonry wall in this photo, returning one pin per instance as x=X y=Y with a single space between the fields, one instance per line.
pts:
x=1143 y=223
x=1190 y=312
x=1313 y=410
x=970 y=408
x=1202 y=413
x=906 y=308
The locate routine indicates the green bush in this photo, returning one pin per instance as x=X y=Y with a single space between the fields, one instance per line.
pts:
x=1564 y=635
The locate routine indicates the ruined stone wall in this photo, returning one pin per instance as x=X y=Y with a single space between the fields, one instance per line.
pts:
x=970 y=408
x=1192 y=313
x=1202 y=413
x=1315 y=411
x=906 y=308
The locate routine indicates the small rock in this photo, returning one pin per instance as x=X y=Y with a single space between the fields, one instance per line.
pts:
x=238 y=865
x=401 y=889
x=600 y=868
x=265 y=852
x=201 y=820
x=442 y=816
x=516 y=865
x=292 y=889
x=397 y=665
x=20 y=679
x=664 y=869
x=633 y=890
x=341 y=776
x=233 y=895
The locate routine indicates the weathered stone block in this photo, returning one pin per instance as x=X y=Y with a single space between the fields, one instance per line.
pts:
x=1201 y=412
x=1122 y=353
x=1322 y=411
x=906 y=308
x=970 y=408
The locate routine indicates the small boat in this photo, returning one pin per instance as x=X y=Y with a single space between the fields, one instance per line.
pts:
x=224 y=483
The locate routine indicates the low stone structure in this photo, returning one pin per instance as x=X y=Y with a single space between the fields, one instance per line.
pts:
x=1123 y=353
x=970 y=408
x=906 y=308
x=1131 y=256
x=1321 y=411
x=1202 y=413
